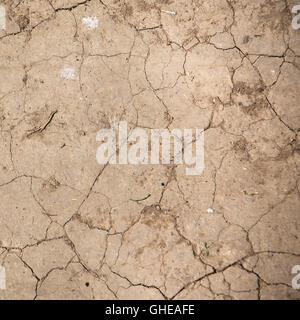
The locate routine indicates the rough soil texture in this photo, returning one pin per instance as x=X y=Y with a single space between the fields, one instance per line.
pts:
x=68 y=229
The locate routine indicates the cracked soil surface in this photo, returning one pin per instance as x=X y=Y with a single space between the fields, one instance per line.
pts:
x=68 y=226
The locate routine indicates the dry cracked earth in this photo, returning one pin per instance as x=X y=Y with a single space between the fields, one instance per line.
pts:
x=68 y=226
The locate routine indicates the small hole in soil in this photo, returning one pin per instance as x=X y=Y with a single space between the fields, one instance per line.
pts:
x=87 y=284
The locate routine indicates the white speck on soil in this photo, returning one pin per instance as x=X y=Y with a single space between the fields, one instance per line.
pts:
x=169 y=12
x=91 y=22
x=68 y=73
x=209 y=210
